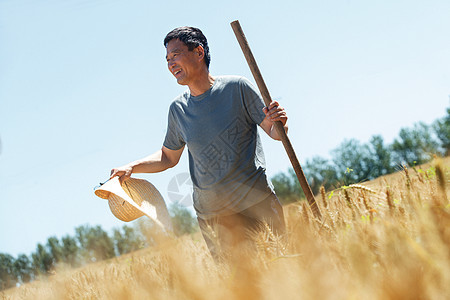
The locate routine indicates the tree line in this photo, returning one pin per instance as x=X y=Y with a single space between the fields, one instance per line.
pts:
x=88 y=244
x=355 y=162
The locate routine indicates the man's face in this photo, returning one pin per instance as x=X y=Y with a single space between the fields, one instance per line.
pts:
x=185 y=65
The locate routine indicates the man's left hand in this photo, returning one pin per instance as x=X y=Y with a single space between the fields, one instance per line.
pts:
x=274 y=112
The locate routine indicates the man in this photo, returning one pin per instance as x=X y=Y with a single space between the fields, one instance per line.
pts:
x=217 y=119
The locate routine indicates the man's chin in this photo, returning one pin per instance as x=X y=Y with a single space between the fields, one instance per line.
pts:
x=180 y=81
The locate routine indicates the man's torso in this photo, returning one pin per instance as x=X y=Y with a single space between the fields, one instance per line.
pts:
x=226 y=160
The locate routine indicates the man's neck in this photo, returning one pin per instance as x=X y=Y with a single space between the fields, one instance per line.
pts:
x=201 y=85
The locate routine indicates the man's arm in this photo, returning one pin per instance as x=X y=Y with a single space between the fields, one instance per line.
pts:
x=274 y=112
x=157 y=162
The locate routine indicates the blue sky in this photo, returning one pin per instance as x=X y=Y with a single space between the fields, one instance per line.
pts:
x=84 y=88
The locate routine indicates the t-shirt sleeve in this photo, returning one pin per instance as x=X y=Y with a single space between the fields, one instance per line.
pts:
x=173 y=140
x=253 y=101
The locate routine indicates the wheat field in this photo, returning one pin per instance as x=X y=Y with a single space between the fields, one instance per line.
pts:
x=385 y=239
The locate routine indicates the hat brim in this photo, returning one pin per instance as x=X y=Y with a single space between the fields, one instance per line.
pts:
x=134 y=199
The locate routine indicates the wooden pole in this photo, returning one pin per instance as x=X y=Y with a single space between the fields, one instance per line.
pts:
x=278 y=125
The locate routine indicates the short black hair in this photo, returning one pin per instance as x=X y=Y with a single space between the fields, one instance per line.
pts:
x=191 y=37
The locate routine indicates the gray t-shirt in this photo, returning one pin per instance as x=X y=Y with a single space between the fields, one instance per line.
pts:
x=226 y=159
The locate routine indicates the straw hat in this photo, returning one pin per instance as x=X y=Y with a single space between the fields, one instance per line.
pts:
x=135 y=198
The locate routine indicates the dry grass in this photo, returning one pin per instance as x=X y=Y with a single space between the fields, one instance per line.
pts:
x=387 y=239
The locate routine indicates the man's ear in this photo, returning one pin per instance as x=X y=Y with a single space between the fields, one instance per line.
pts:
x=200 y=51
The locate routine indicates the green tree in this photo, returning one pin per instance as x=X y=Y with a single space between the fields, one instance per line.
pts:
x=320 y=172
x=22 y=269
x=416 y=145
x=441 y=128
x=95 y=243
x=353 y=162
x=55 y=250
x=287 y=187
x=7 y=276
x=182 y=220
x=381 y=157
x=42 y=260
x=120 y=242
x=127 y=239
x=70 y=251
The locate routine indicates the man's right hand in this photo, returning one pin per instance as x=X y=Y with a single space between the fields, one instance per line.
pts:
x=123 y=173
